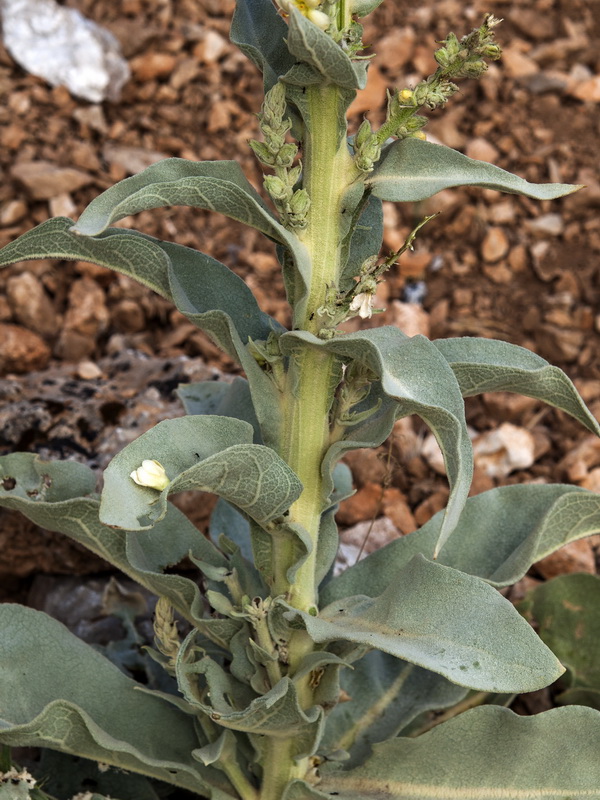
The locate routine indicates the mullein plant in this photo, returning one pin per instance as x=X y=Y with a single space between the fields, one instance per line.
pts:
x=279 y=679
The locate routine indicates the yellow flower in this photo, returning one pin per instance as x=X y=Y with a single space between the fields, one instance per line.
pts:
x=151 y=474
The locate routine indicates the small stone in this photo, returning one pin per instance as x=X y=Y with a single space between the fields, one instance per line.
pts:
x=517 y=258
x=411 y=318
x=587 y=90
x=591 y=480
x=396 y=49
x=370 y=536
x=365 y=504
x=549 y=224
x=211 y=48
x=131 y=159
x=577 y=556
x=128 y=316
x=88 y=371
x=517 y=64
x=87 y=313
x=31 y=305
x=504 y=450
x=495 y=245
x=12 y=212
x=21 y=350
x=482 y=150
x=150 y=66
x=44 y=180
x=62 y=206
x=396 y=508
x=93 y=117
x=436 y=502
x=532 y=23
x=366 y=466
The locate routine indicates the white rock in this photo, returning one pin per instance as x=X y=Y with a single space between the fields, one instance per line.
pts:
x=64 y=48
x=504 y=450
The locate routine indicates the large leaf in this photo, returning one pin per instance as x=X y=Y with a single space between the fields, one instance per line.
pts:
x=489 y=365
x=208 y=453
x=128 y=252
x=364 y=240
x=215 y=185
x=386 y=694
x=143 y=556
x=314 y=47
x=414 y=374
x=567 y=613
x=446 y=621
x=487 y=753
x=260 y=33
x=413 y=170
x=223 y=399
x=501 y=533
x=58 y=692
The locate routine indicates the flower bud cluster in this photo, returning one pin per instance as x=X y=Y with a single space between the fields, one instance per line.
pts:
x=367 y=149
x=275 y=152
x=464 y=58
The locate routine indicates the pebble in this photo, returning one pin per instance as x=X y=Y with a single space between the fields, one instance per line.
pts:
x=21 y=350
x=577 y=556
x=62 y=206
x=517 y=64
x=44 y=180
x=482 y=150
x=150 y=66
x=365 y=504
x=31 y=305
x=396 y=49
x=550 y=224
x=211 y=48
x=495 y=245
x=411 y=318
x=12 y=212
x=504 y=450
x=88 y=371
x=587 y=90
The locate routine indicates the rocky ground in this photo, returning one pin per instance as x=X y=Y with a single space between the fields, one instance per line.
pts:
x=79 y=345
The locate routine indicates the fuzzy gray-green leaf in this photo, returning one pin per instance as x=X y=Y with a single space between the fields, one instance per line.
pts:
x=260 y=33
x=413 y=373
x=311 y=45
x=143 y=556
x=386 y=695
x=489 y=365
x=96 y=713
x=208 y=453
x=566 y=611
x=413 y=170
x=500 y=534
x=128 y=252
x=487 y=753
x=446 y=621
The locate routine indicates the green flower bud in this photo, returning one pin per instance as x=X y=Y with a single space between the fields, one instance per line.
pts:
x=300 y=203
x=286 y=155
x=276 y=188
x=262 y=152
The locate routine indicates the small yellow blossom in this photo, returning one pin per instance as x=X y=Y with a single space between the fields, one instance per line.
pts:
x=152 y=474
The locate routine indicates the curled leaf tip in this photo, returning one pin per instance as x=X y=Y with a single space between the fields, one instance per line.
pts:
x=151 y=474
